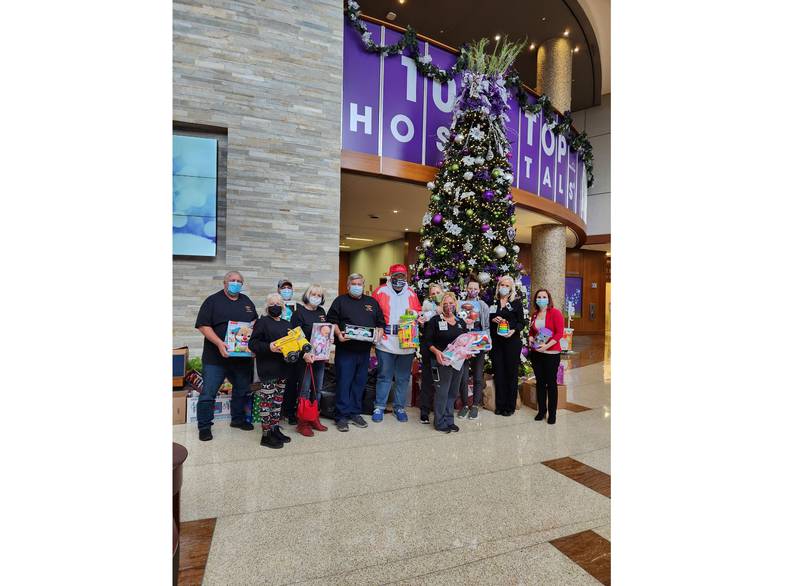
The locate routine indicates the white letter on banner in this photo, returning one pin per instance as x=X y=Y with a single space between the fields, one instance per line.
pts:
x=531 y=119
x=411 y=78
x=451 y=96
x=441 y=133
x=562 y=147
x=365 y=118
x=545 y=130
x=560 y=184
x=409 y=128
x=528 y=162
x=546 y=180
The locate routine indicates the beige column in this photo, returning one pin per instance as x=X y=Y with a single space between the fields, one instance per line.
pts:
x=549 y=261
x=554 y=72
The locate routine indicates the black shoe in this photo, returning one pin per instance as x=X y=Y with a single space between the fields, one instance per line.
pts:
x=280 y=435
x=358 y=421
x=341 y=425
x=507 y=413
x=498 y=412
x=291 y=419
x=443 y=429
x=205 y=434
x=454 y=427
x=539 y=416
x=424 y=418
x=243 y=425
x=270 y=440
x=551 y=420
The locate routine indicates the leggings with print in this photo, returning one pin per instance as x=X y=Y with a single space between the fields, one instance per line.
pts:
x=271 y=399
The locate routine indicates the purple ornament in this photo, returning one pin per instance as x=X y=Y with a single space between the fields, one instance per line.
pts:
x=437 y=219
x=488 y=195
x=524 y=350
x=509 y=156
x=440 y=164
x=485 y=228
x=427 y=272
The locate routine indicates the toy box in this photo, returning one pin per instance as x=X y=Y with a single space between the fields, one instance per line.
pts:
x=237 y=338
x=180 y=357
x=293 y=345
x=222 y=408
x=466 y=346
x=502 y=328
x=321 y=341
x=360 y=333
x=542 y=337
x=407 y=331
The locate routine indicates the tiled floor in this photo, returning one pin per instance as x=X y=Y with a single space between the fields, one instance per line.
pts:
x=400 y=503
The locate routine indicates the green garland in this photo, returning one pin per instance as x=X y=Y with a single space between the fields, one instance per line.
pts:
x=577 y=142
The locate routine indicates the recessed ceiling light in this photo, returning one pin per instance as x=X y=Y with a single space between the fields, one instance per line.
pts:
x=406 y=229
x=497 y=37
x=343 y=246
x=566 y=32
x=441 y=31
x=544 y=18
x=359 y=239
x=608 y=254
x=402 y=1
x=390 y=16
x=394 y=211
x=532 y=46
x=575 y=50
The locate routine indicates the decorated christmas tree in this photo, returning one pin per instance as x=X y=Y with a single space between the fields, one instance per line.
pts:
x=468 y=229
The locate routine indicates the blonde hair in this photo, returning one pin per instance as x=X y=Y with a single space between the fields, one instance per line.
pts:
x=450 y=295
x=432 y=285
x=314 y=288
x=271 y=299
x=512 y=289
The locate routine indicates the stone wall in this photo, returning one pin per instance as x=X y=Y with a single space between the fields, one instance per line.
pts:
x=270 y=73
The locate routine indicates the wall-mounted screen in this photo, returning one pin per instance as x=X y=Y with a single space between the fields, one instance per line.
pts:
x=194 y=196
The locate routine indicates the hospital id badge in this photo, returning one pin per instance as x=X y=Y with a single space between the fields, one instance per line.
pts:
x=442 y=326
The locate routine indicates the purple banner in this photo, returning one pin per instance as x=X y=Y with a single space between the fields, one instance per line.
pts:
x=389 y=109
x=573 y=294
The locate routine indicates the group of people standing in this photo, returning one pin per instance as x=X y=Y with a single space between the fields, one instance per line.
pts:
x=441 y=317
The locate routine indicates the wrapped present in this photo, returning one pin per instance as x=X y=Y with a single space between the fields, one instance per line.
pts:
x=407 y=331
x=237 y=338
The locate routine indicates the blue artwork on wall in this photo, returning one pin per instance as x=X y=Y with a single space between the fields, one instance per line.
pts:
x=194 y=196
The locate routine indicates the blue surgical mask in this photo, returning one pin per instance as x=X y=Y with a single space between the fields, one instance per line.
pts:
x=356 y=290
x=234 y=288
x=542 y=303
x=286 y=294
x=504 y=291
x=314 y=300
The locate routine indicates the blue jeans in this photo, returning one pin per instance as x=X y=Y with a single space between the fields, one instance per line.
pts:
x=318 y=369
x=351 y=379
x=240 y=373
x=397 y=366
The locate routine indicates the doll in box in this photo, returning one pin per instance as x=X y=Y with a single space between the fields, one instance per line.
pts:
x=321 y=339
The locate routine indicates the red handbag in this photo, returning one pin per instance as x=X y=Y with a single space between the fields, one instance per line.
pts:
x=308 y=409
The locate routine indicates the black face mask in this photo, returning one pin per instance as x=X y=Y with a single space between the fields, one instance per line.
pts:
x=274 y=310
x=398 y=284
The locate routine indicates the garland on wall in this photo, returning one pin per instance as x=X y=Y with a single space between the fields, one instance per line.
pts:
x=577 y=142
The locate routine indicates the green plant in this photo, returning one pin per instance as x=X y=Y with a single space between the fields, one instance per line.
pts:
x=496 y=63
x=194 y=363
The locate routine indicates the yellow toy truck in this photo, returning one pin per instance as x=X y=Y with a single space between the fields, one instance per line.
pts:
x=293 y=345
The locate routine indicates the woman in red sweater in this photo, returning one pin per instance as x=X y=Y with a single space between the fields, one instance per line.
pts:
x=546 y=354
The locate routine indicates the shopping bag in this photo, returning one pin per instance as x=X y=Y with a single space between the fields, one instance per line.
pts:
x=308 y=409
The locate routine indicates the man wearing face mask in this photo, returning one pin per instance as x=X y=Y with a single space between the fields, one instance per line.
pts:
x=394 y=362
x=224 y=306
x=352 y=356
x=476 y=363
x=286 y=292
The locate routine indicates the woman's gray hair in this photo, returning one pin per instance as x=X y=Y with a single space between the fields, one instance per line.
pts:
x=353 y=276
x=272 y=298
x=311 y=289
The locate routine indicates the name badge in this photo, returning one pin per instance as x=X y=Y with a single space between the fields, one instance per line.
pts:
x=493 y=309
x=443 y=326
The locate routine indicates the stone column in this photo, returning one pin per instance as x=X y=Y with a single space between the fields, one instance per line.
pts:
x=549 y=261
x=554 y=72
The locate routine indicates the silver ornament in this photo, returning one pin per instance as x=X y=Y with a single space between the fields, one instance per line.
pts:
x=500 y=251
x=515 y=248
x=426 y=243
x=484 y=277
x=459 y=138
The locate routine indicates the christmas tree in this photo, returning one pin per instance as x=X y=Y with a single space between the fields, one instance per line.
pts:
x=468 y=229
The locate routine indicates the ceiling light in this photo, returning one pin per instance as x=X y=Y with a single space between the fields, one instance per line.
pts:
x=402 y=1
x=608 y=254
x=343 y=246
x=566 y=32
x=441 y=31
x=406 y=229
x=575 y=50
x=544 y=18
x=390 y=16
x=359 y=239
x=532 y=46
x=394 y=211
x=497 y=37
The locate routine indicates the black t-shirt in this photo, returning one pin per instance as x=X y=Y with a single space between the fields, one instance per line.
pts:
x=270 y=365
x=440 y=338
x=305 y=318
x=512 y=313
x=363 y=311
x=217 y=310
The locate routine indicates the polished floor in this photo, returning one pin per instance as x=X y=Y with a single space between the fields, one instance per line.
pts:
x=504 y=501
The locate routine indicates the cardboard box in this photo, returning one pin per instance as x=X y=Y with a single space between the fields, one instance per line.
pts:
x=489 y=396
x=222 y=408
x=180 y=358
x=178 y=407
x=527 y=392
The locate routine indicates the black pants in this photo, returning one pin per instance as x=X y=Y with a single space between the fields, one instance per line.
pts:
x=505 y=360
x=545 y=369
x=293 y=378
x=475 y=366
x=426 y=386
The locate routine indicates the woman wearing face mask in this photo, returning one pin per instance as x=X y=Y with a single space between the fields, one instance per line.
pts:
x=475 y=364
x=272 y=369
x=430 y=308
x=440 y=332
x=546 y=356
x=306 y=314
x=506 y=348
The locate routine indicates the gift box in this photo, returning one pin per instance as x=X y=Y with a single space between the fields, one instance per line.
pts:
x=237 y=338
x=560 y=374
x=222 y=408
x=178 y=407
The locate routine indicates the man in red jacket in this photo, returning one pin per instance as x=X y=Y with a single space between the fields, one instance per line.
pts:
x=394 y=362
